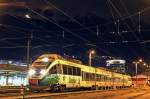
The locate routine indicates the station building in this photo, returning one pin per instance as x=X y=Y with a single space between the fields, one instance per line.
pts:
x=140 y=80
x=13 y=73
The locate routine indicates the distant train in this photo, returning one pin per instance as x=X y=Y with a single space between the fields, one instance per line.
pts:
x=52 y=72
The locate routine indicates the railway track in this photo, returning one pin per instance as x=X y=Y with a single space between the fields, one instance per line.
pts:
x=48 y=94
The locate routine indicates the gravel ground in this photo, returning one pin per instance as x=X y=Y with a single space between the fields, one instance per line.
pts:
x=117 y=94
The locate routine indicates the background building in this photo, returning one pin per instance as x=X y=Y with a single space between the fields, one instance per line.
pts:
x=116 y=65
x=13 y=73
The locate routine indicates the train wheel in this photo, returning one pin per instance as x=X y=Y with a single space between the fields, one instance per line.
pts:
x=96 y=88
x=54 y=89
x=62 y=88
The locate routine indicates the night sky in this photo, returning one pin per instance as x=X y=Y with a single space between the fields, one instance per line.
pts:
x=111 y=27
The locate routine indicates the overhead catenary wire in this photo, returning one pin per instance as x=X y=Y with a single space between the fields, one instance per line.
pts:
x=139 y=25
x=9 y=26
x=123 y=18
x=117 y=42
x=97 y=30
x=65 y=29
x=128 y=31
x=66 y=14
x=116 y=23
x=95 y=44
x=69 y=15
x=127 y=11
x=127 y=23
x=110 y=22
x=139 y=22
x=60 y=26
x=18 y=29
x=40 y=28
x=117 y=11
x=143 y=30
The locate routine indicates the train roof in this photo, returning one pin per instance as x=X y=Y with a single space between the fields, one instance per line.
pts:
x=51 y=55
x=102 y=68
x=76 y=63
x=56 y=56
x=90 y=68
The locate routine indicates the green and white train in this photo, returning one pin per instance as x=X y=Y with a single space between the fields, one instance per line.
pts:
x=52 y=72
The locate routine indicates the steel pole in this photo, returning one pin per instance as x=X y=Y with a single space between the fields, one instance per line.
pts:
x=28 y=53
x=90 y=59
x=136 y=72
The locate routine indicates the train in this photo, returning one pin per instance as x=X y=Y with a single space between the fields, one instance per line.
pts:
x=55 y=73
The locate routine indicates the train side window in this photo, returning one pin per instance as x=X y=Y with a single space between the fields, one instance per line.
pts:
x=109 y=79
x=118 y=79
x=114 y=79
x=87 y=76
x=129 y=79
x=78 y=72
x=92 y=77
x=53 y=70
x=105 y=78
x=59 y=70
x=83 y=75
x=70 y=70
x=102 y=78
x=97 y=77
x=65 y=69
x=74 y=71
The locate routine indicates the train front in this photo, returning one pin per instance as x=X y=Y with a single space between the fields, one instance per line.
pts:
x=37 y=72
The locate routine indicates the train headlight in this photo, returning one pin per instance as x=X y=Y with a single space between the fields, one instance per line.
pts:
x=31 y=72
x=43 y=72
x=45 y=59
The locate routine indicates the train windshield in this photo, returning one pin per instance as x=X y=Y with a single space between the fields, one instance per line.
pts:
x=39 y=68
x=41 y=64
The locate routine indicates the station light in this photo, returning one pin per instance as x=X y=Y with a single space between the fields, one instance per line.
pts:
x=43 y=72
x=28 y=16
x=10 y=62
x=45 y=59
x=92 y=51
x=31 y=72
x=140 y=60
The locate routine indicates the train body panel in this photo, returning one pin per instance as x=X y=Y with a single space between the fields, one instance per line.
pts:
x=56 y=71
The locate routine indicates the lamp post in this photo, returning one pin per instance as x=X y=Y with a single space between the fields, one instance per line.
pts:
x=136 y=71
x=144 y=64
x=28 y=53
x=136 y=64
x=28 y=49
x=28 y=44
x=90 y=56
